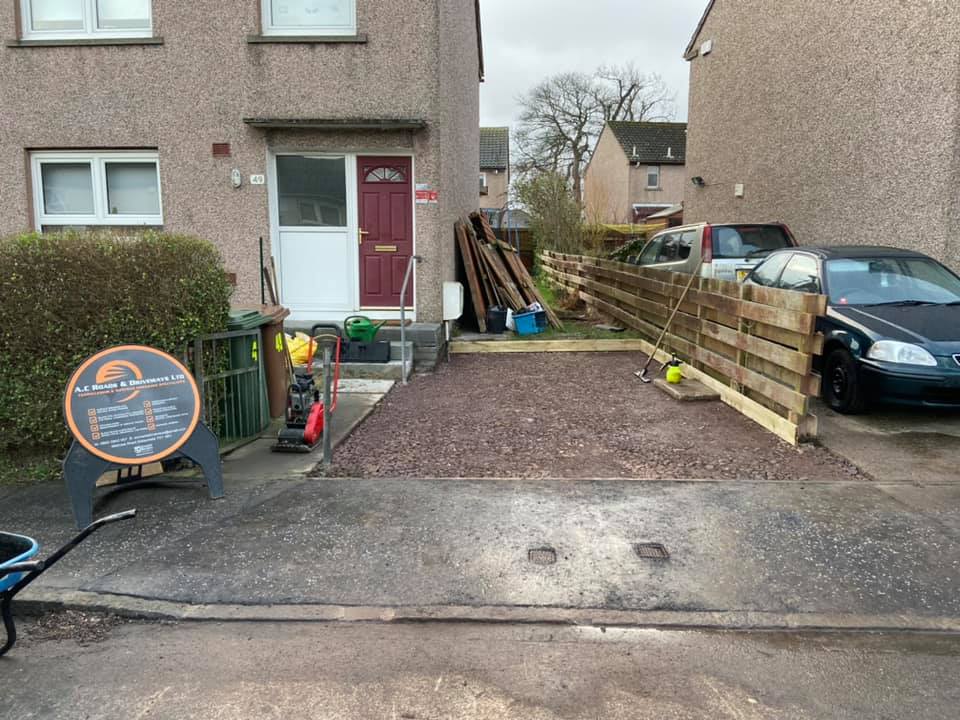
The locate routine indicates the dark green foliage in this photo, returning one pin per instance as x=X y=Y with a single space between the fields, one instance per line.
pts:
x=631 y=247
x=64 y=297
x=555 y=217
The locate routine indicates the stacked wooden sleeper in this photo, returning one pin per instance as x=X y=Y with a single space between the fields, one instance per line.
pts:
x=495 y=274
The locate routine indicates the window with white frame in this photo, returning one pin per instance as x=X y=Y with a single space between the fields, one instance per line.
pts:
x=309 y=17
x=103 y=188
x=653 y=177
x=85 y=19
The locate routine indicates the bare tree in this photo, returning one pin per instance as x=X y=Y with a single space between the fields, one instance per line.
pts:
x=557 y=121
x=625 y=93
x=562 y=117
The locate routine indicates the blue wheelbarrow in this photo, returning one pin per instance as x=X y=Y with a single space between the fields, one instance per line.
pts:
x=18 y=567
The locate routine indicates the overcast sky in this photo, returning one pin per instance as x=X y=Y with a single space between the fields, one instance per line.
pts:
x=525 y=41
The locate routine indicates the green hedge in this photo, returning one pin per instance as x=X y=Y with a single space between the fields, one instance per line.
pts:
x=631 y=247
x=65 y=296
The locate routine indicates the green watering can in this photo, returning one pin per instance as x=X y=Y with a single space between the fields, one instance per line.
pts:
x=361 y=328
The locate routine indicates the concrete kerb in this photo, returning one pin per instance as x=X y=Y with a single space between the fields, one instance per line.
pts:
x=39 y=602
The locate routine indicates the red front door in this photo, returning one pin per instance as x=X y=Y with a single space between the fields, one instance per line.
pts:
x=386 y=229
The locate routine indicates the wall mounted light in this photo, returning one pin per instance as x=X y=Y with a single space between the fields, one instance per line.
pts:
x=698 y=181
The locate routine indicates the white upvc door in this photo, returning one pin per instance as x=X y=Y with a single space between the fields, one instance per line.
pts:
x=314 y=211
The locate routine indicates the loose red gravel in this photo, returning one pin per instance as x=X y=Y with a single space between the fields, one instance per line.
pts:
x=571 y=415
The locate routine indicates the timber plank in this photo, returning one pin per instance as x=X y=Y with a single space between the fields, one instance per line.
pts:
x=480 y=263
x=523 y=284
x=795 y=361
x=473 y=281
x=720 y=333
x=780 y=394
x=797 y=301
x=502 y=276
x=483 y=227
x=527 y=285
x=635 y=276
x=464 y=347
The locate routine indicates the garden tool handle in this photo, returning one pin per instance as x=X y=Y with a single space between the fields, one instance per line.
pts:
x=58 y=555
x=314 y=336
x=23 y=567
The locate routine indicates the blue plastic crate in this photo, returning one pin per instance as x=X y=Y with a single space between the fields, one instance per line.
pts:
x=531 y=323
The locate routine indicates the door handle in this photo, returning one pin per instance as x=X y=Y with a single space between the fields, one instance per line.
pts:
x=360 y=234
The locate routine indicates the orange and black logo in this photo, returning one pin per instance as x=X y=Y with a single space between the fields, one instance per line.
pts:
x=119 y=371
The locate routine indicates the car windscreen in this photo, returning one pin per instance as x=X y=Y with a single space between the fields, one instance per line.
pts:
x=879 y=281
x=740 y=241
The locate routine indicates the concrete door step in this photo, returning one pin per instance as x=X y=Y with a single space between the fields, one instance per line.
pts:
x=376 y=371
x=371 y=371
x=381 y=371
x=366 y=386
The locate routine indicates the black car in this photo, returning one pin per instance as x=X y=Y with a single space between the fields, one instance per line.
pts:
x=892 y=329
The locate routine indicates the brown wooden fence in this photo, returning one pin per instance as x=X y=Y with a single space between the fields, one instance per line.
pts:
x=753 y=345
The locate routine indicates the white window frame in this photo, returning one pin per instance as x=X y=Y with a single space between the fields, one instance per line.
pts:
x=650 y=170
x=98 y=173
x=89 y=31
x=268 y=27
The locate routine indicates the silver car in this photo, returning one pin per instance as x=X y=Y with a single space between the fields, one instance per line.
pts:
x=727 y=252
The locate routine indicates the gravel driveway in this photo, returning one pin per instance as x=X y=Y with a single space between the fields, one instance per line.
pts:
x=571 y=415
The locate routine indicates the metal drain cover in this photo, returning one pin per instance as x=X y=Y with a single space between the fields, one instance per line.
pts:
x=542 y=556
x=651 y=551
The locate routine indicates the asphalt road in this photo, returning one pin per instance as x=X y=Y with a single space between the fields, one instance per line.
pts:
x=848 y=548
x=477 y=672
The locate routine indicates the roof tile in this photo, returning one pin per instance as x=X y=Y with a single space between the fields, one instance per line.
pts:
x=652 y=142
x=494 y=148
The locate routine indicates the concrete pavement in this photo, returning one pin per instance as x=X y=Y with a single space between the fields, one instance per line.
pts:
x=477 y=672
x=252 y=462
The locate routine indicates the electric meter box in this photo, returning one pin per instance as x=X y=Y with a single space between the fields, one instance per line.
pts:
x=452 y=301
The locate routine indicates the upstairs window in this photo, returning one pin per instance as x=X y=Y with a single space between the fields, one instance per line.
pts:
x=107 y=188
x=85 y=19
x=309 y=17
x=653 y=177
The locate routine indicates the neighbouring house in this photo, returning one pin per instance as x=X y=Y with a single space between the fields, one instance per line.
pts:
x=841 y=119
x=494 y=167
x=342 y=132
x=672 y=216
x=636 y=170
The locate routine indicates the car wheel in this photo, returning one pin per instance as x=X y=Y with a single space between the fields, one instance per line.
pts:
x=842 y=386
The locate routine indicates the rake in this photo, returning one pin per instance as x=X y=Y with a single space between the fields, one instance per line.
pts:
x=642 y=374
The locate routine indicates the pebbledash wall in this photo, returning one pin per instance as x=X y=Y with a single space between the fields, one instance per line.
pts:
x=840 y=118
x=420 y=60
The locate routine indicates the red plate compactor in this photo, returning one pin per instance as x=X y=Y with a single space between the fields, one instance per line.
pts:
x=304 y=428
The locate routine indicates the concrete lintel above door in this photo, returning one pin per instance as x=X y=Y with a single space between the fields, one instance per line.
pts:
x=338 y=123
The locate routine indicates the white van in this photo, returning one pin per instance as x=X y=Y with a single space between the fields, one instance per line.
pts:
x=728 y=251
